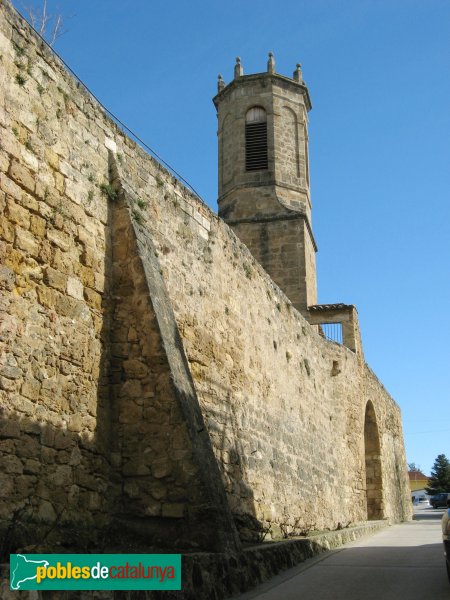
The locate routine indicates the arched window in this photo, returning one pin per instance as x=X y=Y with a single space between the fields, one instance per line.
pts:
x=256 y=139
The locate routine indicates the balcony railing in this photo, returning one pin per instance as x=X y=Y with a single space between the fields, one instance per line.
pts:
x=332 y=332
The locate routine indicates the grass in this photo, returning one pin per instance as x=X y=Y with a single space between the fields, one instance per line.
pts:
x=247 y=270
x=108 y=190
x=20 y=79
x=137 y=217
x=18 y=50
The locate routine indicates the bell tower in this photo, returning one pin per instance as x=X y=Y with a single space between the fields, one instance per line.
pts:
x=264 y=177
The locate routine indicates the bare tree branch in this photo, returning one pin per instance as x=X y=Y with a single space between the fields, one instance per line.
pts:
x=56 y=30
x=49 y=26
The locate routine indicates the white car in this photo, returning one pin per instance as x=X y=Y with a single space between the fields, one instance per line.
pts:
x=421 y=502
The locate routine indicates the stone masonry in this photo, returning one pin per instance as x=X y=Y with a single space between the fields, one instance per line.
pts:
x=157 y=388
x=270 y=209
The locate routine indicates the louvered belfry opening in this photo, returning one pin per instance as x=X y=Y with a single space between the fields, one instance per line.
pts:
x=256 y=139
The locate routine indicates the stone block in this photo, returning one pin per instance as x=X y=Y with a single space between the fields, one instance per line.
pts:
x=52 y=158
x=6 y=486
x=37 y=226
x=26 y=241
x=110 y=144
x=55 y=279
x=135 y=368
x=46 y=512
x=6 y=229
x=30 y=388
x=32 y=466
x=93 y=299
x=131 y=388
x=75 y=288
x=63 y=440
x=75 y=423
x=17 y=214
x=59 y=182
x=86 y=275
x=161 y=467
x=46 y=296
x=130 y=413
x=61 y=476
x=135 y=468
x=7 y=278
x=175 y=510
x=59 y=238
x=11 y=464
x=9 y=428
x=10 y=372
x=22 y=176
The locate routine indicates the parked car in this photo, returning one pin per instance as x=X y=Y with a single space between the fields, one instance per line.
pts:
x=421 y=501
x=446 y=537
x=440 y=500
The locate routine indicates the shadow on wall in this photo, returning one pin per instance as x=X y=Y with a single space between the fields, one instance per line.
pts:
x=128 y=483
x=54 y=487
x=56 y=481
x=374 y=477
x=236 y=457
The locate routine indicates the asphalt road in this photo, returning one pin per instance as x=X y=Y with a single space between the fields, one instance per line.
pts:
x=402 y=562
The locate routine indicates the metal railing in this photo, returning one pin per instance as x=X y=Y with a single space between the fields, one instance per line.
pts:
x=332 y=332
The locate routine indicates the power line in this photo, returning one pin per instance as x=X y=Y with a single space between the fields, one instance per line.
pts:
x=421 y=432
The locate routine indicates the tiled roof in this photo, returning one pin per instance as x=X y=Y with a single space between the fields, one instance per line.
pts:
x=416 y=475
x=340 y=306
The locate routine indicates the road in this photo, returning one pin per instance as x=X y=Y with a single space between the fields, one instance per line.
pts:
x=402 y=562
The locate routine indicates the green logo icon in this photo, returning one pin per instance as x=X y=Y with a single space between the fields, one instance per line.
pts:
x=95 y=572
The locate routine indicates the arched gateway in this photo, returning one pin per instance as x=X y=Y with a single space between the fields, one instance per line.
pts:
x=374 y=481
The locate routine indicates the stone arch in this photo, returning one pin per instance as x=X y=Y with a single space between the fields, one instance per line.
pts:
x=372 y=452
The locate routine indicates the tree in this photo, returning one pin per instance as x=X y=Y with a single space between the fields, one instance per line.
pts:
x=413 y=467
x=49 y=26
x=440 y=476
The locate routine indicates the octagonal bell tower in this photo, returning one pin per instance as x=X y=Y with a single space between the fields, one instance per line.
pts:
x=264 y=176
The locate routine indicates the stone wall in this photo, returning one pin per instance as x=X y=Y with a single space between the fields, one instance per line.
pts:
x=153 y=377
x=55 y=299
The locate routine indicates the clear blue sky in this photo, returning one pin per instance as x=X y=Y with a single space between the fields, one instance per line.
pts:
x=378 y=75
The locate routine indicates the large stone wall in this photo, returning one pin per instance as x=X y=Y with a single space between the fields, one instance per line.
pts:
x=121 y=384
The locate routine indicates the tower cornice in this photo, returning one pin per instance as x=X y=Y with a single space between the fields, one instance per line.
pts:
x=273 y=78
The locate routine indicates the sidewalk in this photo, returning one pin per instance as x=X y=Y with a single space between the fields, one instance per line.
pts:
x=402 y=561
